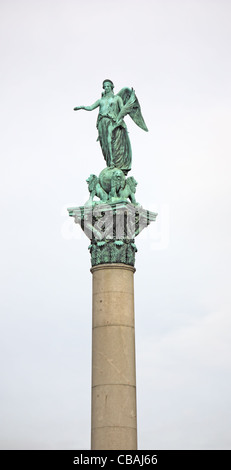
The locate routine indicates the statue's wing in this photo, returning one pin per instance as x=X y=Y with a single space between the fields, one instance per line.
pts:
x=131 y=107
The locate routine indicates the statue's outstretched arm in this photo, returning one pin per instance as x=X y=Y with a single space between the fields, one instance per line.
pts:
x=88 y=108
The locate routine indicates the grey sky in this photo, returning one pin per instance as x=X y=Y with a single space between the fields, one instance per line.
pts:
x=54 y=56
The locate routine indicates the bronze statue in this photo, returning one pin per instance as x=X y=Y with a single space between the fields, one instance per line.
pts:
x=112 y=130
x=111 y=217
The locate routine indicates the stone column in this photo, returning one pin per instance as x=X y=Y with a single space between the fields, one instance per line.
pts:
x=114 y=423
x=111 y=228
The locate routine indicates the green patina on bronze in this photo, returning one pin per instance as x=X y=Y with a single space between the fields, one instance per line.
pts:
x=112 y=229
x=112 y=130
x=111 y=186
x=110 y=251
x=111 y=218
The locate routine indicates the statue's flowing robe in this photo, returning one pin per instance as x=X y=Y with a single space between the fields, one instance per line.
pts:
x=115 y=143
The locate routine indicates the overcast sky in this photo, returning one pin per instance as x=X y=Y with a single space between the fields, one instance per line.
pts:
x=54 y=56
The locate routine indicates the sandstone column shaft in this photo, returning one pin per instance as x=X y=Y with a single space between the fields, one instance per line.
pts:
x=114 y=423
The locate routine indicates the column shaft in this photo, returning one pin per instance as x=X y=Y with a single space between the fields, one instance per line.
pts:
x=114 y=423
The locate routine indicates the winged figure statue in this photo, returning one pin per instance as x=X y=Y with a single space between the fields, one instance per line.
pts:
x=112 y=130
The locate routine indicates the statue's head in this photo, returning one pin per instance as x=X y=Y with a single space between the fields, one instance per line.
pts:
x=118 y=175
x=92 y=180
x=118 y=179
x=108 y=85
x=132 y=183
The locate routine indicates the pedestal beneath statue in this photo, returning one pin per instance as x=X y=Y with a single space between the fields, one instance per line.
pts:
x=111 y=229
